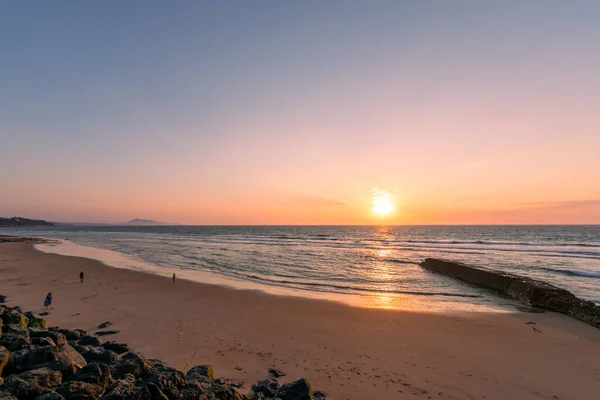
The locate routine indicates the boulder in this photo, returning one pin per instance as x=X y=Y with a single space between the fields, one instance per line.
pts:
x=45 y=341
x=90 y=340
x=37 y=333
x=104 y=324
x=14 y=342
x=200 y=374
x=82 y=332
x=44 y=377
x=50 y=396
x=268 y=387
x=225 y=392
x=118 y=348
x=99 y=355
x=14 y=316
x=129 y=363
x=77 y=390
x=4 y=356
x=15 y=328
x=35 y=321
x=61 y=358
x=9 y=368
x=22 y=389
x=319 y=395
x=168 y=380
x=7 y=396
x=298 y=390
x=98 y=374
x=125 y=389
x=106 y=333
x=70 y=335
x=155 y=392
x=277 y=373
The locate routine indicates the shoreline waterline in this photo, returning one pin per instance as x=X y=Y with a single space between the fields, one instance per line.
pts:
x=394 y=301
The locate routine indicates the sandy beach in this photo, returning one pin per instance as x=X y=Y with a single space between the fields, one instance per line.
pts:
x=348 y=352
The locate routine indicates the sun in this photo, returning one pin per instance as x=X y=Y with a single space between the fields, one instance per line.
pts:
x=382 y=202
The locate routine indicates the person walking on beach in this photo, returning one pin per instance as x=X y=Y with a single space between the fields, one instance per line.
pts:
x=48 y=302
x=174 y=276
x=81 y=276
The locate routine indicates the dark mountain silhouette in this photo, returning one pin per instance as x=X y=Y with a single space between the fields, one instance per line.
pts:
x=141 y=221
x=20 y=221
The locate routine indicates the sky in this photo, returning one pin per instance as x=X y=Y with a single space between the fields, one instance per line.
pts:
x=276 y=112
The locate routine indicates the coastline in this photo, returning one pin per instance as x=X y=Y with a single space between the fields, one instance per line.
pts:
x=349 y=352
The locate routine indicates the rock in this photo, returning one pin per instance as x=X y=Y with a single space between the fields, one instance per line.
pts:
x=43 y=377
x=230 y=382
x=2 y=298
x=200 y=374
x=155 y=392
x=276 y=372
x=118 y=348
x=319 y=395
x=35 y=321
x=77 y=390
x=104 y=324
x=61 y=358
x=4 y=356
x=70 y=335
x=14 y=342
x=167 y=379
x=82 y=332
x=9 y=368
x=15 y=328
x=7 y=396
x=298 y=390
x=45 y=341
x=129 y=363
x=106 y=333
x=14 y=316
x=125 y=389
x=57 y=337
x=50 y=396
x=191 y=393
x=22 y=389
x=98 y=374
x=224 y=392
x=268 y=387
x=90 y=340
x=43 y=314
x=93 y=354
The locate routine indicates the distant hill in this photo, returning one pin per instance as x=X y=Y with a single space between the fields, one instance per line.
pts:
x=20 y=221
x=141 y=221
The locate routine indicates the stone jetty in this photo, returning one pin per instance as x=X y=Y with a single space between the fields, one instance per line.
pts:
x=526 y=290
x=49 y=363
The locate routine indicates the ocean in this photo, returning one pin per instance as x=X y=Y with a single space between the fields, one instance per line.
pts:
x=373 y=266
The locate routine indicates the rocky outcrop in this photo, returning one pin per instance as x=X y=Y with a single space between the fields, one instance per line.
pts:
x=526 y=290
x=39 y=364
x=118 y=348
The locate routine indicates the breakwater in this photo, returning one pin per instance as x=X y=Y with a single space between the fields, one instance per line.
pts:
x=528 y=291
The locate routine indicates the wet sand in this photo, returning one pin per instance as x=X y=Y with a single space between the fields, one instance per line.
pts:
x=348 y=352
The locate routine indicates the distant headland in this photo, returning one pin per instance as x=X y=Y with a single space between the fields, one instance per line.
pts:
x=20 y=221
x=141 y=221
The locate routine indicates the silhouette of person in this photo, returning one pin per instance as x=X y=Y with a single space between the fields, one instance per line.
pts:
x=174 y=276
x=49 y=301
x=81 y=276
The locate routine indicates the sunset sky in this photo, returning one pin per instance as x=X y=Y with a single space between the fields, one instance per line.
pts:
x=281 y=112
